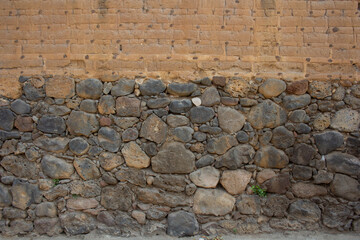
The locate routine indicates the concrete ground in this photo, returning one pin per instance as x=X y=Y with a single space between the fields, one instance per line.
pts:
x=302 y=235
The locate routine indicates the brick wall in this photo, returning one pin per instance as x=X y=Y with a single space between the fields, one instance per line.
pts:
x=180 y=39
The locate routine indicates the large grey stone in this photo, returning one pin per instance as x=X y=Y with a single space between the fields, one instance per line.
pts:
x=183 y=134
x=128 y=107
x=135 y=156
x=51 y=124
x=170 y=182
x=181 y=89
x=352 y=101
x=249 y=205
x=173 y=157
x=86 y=169
x=20 y=107
x=276 y=205
x=152 y=87
x=272 y=88
x=89 y=88
x=299 y=116
x=24 y=194
x=157 y=197
x=308 y=190
x=328 y=141
x=109 y=139
x=303 y=154
x=292 y=102
x=213 y=202
x=182 y=224
x=278 y=184
x=123 y=87
x=56 y=168
x=88 y=105
x=206 y=177
x=230 y=120
x=78 y=146
x=302 y=172
x=75 y=223
x=282 y=138
x=210 y=97
x=201 y=114
x=346 y=120
x=158 y=102
x=130 y=134
x=5 y=196
x=270 y=157
x=6 y=119
x=20 y=166
x=125 y=122
x=177 y=120
x=345 y=187
x=46 y=209
x=221 y=145
x=343 y=163
x=49 y=226
x=236 y=157
x=56 y=145
x=59 y=110
x=13 y=213
x=118 y=197
x=267 y=115
x=32 y=93
x=305 y=210
x=81 y=123
x=204 y=161
x=335 y=216
x=154 y=129
x=180 y=106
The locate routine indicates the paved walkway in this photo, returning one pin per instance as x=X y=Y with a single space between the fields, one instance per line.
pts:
x=274 y=236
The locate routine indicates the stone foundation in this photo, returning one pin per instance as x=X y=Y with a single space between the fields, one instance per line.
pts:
x=137 y=157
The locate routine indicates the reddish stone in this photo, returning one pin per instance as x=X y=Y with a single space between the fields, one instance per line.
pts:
x=105 y=121
x=24 y=124
x=219 y=81
x=298 y=87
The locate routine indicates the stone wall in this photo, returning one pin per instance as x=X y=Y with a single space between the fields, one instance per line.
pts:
x=139 y=157
x=180 y=39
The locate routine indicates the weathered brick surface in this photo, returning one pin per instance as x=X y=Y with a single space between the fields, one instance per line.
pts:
x=180 y=39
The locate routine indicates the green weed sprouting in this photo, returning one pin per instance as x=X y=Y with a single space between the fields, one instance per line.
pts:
x=258 y=190
x=56 y=181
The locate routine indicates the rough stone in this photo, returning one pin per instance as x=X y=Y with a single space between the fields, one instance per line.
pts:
x=201 y=114
x=158 y=102
x=279 y=184
x=75 y=223
x=51 y=124
x=109 y=139
x=299 y=116
x=210 y=130
x=81 y=203
x=20 y=167
x=150 y=148
x=183 y=134
x=204 y=161
x=238 y=87
x=282 y=138
x=249 y=205
x=303 y=154
x=276 y=205
x=267 y=115
x=292 y=102
x=152 y=87
x=219 y=81
x=13 y=213
x=182 y=224
x=307 y=190
x=235 y=181
x=248 y=102
x=89 y=88
x=32 y=93
x=298 y=87
x=5 y=135
x=49 y=226
x=177 y=120
x=128 y=107
x=24 y=124
x=24 y=194
x=221 y=145
x=118 y=197
x=305 y=210
x=154 y=129
x=6 y=119
x=354 y=102
x=321 y=122
x=86 y=169
x=60 y=87
x=353 y=146
x=106 y=217
x=230 y=120
x=236 y=157
x=345 y=187
x=56 y=145
x=81 y=123
x=46 y=209
x=229 y=101
x=19 y=226
x=106 y=105
x=346 y=120
x=206 y=177
x=56 y=168
x=320 y=90
x=302 y=172
x=168 y=182
x=134 y=156
x=125 y=122
x=335 y=216
x=265 y=175
x=173 y=157
x=210 y=97
x=139 y=216
x=213 y=202
x=78 y=146
x=5 y=196
x=56 y=192
x=181 y=89
x=272 y=88
x=20 y=107
x=180 y=106
x=242 y=137
x=323 y=177
x=123 y=87
x=157 y=197
x=270 y=157
x=155 y=214
x=89 y=106
x=130 y=134
x=343 y=163
x=59 y=110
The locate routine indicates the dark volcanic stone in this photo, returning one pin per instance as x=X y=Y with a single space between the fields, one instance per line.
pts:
x=5 y=135
x=303 y=154
x=211 y=97
x=20 y=107
x=78 y=145
x=292 y=102
x=201 y=114
x=242 y=137
x=51 y=124
x=210 y=130
x=89 y=88
x=5 y=196
x=81 y=123
x=267 y=114
x=20 y=167
x=109 y=139
x=123 y=87
x=345 y=187
x=302 y=172
x=302 y=128
x=282 y=138
x=6 y=119
x=204 y=161
x=130 y=134
x=158 y=102
x=88 y=106
x=152 y=87
x=24 y=194
x=128 y=107
x=276 y=205
x=154 y=129
x=106 y=105
x=180 y=106
x=335 y=216
x=279 y=184
x=32 y=93
x=328 y=141
x=236 y=157
x=181 y=89
x=270 y=157
x=181 y=224
x=56 y=168
x=305 y=210
x=116 y=198
x=343 y=163
x=75 y=223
